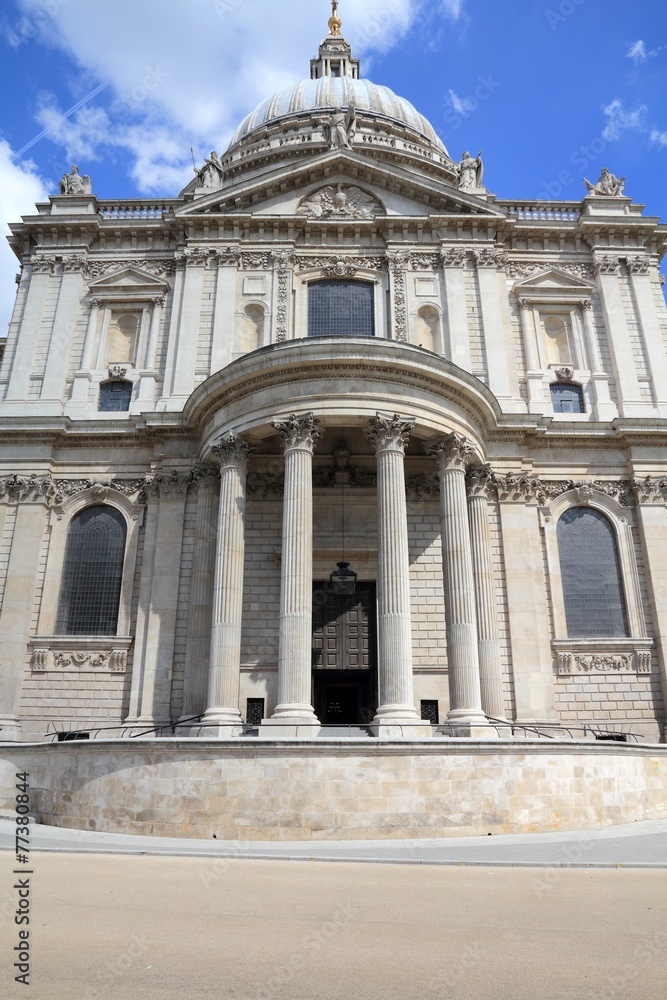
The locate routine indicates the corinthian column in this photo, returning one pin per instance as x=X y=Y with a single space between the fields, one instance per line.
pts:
x=223 y=717
x=396 y=715
x=488 y=638
x=465 y=712
x=294 y=716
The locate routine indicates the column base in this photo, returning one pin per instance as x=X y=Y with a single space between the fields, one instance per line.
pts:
x=10 y=729
x=395 y=722
x=218 y=724
x=291 y=722
x=470 y=724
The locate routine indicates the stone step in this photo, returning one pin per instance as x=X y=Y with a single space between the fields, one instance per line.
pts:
x=345 y=732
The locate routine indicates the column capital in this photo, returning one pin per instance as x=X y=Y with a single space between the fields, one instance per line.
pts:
x=390 y=433
x=299 y=431
x=206 y=481
x=233 y=450
x=451 y=452
x=480 y=481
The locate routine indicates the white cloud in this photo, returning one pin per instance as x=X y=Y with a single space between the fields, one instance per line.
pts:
x=181 y=74
x=453 y=8
x=637 y=52
x=620 y=120
x=461 y=105
x=658 y=138
x=20 y=188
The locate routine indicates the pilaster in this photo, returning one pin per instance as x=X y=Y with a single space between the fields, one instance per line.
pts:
x=225 y=307
x=150 y=702
x=24 y=358
x=453 y=263
x=650 y=326
x=17 y=609
x=60 y=346
x=607 y=269
x=206 y=484
x=399 y=262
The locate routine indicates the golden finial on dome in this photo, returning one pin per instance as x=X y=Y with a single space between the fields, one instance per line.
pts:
x=335 y=23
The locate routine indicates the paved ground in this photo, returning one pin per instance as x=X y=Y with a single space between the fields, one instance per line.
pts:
x=158 y=928
x=637 y=845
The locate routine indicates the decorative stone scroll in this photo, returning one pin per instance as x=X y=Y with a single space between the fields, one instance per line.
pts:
x=524 y=269
x=283 y=262
x=398 y=262
x=256 y=261
x=61 y=654
x=564 y=374
x=423 y=487
x=340 y=266
x=265 y=486
x=491 y=257
x=117 y=371
x=341 y=202
x=637 y=661
x=53 y=492
x=531 y=489
x=159 y=268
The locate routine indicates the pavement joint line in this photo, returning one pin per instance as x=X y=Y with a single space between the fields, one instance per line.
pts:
x=366 y=861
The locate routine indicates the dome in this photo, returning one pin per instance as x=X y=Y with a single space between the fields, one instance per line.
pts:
x=329 y=93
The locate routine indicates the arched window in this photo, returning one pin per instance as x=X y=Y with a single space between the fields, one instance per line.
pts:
x=115 y=397
x=590 y=571
x=341 y=309
x=567 y=398
x=92 y=573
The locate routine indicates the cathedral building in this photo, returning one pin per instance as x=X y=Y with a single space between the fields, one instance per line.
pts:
x=335 y=442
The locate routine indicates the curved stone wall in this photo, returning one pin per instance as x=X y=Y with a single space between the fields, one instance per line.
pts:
x=334 y=790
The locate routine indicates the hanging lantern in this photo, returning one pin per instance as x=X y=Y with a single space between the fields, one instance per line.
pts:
x=343 y=580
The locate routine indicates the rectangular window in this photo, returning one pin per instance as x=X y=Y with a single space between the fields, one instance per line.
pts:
x=341 y=309
x=567 y=398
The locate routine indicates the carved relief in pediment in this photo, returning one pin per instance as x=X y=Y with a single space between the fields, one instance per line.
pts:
x=340 y=202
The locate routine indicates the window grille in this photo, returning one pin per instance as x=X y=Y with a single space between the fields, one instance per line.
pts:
x=92 y=573
x=590 y=571
x=341 y=309
x=567 y=398
x=115 y=397
x=430 y=712
x=255 y=711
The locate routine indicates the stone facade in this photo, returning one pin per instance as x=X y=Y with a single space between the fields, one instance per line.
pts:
x=255 y=449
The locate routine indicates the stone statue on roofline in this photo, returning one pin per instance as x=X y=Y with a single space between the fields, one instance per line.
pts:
x=340 y=128
x=471 y=173
x=608 y=186
x=212 y=174
x=74 y=183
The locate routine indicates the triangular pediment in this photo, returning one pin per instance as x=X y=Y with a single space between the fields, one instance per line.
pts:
x=399 y=190
x=130 y=280
x=553 y=280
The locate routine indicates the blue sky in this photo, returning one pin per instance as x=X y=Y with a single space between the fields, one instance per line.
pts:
x=550 y=90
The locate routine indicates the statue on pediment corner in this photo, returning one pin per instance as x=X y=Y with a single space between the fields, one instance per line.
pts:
x=74 y=183
x=212 y=174
x=471 y=172
x=608 y=185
